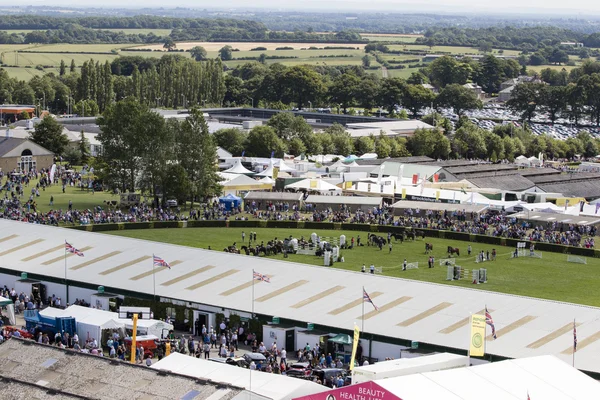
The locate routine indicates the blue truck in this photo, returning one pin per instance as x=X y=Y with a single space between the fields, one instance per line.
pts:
x=51 y=325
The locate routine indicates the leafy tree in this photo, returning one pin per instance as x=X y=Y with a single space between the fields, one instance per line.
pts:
x=63 y=68
x=226 y=53
x=485 y=47
x=262 y=58
x=72 y=67
x=554 y=100
x=447 y=70
x=288 y=126
x=296 y=146
x=537 y=59
x=459 y=98
x=392 y=90
x=177 y=184
x=302 y=84
x=369 y=92
x=169 y=44
x=49 y=134
x=231 y=139
x=469 y=142
x=262 y=140
x=25 y=115
x=197 y=153
x=584 y=53
x=344 y=90
x=383 y=146
x=364 y=144
x=417 y=78
x=72 y=156
x=525 y=99
x=416 y=97
x=559 y=57
x=88 y=108
x=342 y=140
x=198 y=53
x=366 y=61
x=326 y=143
x=84 y=148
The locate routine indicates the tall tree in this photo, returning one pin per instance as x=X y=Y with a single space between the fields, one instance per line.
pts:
x=554 y=100
x=415 y=97
x=72 y=68
x=197 y=154
x=49 y=134
x=303 y=84
x=262 y=141
x=198 y=53
x=63 y=68
x=459 y=98
x=231 y=140
x=525 y=99
x=344 y=90
x=84 y=148
x=226 y=53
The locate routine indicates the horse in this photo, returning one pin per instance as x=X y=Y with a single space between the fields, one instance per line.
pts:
x=411 y=235
x=231 y=249
x=421 y=234
x=398 y=236
x=428 y=247
x=249 y=251
x=376 y=240
x=452 y=250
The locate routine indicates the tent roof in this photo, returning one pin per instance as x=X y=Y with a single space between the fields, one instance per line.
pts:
x=238 y=168
x=318 y=185
x=283 y=167
x=230 y=197
x=341 y=339
x=544 y=377
x=268 y=180
x=354 y=200
x=5 y=301
x=241 y=180
x=272 y=386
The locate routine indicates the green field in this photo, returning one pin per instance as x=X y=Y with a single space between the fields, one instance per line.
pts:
x=389 y=38
x=548 y=278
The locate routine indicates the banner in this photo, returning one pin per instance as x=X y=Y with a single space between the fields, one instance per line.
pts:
x=415 y=179
x=477 y=343
x=361 y=391
x=275 y=172
x=403 y=194
x=437 y=195
x=354 y=346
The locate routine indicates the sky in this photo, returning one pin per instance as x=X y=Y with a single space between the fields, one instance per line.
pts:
x=560 y=7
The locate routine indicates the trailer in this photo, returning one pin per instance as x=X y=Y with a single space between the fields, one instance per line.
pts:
x=408 y=366
x=49 y=324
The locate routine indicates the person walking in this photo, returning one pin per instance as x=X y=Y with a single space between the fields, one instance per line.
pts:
x=404 y=264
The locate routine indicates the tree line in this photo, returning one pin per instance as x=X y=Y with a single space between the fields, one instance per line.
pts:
x=172 y=82
x=286 y=133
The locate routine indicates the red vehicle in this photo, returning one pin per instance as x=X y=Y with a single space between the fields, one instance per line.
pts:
x=146 y=341
x=299 y=370
x=24 y=334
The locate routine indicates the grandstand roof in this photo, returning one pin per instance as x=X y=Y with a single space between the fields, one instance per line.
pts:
x=513 y=182
x=537 y=217
x=425 y=205
x=348 y=200
x=565 y=178
x=427 y=312
x=590 y=189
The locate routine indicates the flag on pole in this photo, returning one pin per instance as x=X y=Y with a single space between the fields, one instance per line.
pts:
x=261 y=277
x=73 y=250
x=367 y=298
x=574 y=337
x=159 y=262
x=490 y=322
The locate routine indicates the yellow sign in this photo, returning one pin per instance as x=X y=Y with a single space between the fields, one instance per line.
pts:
x=354 y=346
x=477 y=344
x=403 y=194
x=437 y=195
x=275 y=172
x=348 y=185
x=313 y=183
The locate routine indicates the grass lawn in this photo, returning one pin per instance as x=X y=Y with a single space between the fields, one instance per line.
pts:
x=549 y=278
x=82 y=199
x=539 y=68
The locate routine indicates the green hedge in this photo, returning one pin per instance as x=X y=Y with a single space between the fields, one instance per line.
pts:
x=206 y=224
x=244 y=224
x=139 y=225
x=283 y=224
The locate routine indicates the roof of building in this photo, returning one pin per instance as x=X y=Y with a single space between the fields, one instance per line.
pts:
x=396 y=126
x=459 y=170
x=9 y=143
x=98 y=377
x=566 y=178
x=535 y=216
x=531 y=172
x=270 y=386
x=391 y=168
x=274 y=196
x=427 y=312
x=508 y=89
x=402 y=160
x=425 y=205
x=348 y=200
x=590 y=189
x=514 y=182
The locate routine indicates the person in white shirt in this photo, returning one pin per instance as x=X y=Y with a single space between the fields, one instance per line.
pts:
x=283 y=356
x=222 y=326
x=262 y=348
x=252 y=366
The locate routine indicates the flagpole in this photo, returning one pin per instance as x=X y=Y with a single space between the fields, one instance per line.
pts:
x=153 y=284
x=362 y=328
x=574 y=348
x=66 y=281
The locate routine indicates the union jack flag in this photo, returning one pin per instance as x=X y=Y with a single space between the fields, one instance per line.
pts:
x=367 y=298
x=73 y=250
x=159 y=262
x=490 y=322
x=261 y=277
x=574 y=337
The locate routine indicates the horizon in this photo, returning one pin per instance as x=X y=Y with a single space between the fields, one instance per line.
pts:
x=584 y=9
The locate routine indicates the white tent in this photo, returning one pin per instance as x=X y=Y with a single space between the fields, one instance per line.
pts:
x=90 y=321
x=267 y=172
x=154 y=327
x=283 y=167
x=522 y=160
x=544 y=377
x=272 y=386
x=238 y=168
x=10 y=309
x=533 y=160
x=317 y=185
x=268 y=180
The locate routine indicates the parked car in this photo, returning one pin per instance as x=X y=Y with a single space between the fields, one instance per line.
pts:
x=256 y=357
x=172 y=203
x=326 y=375
x=299 y=370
